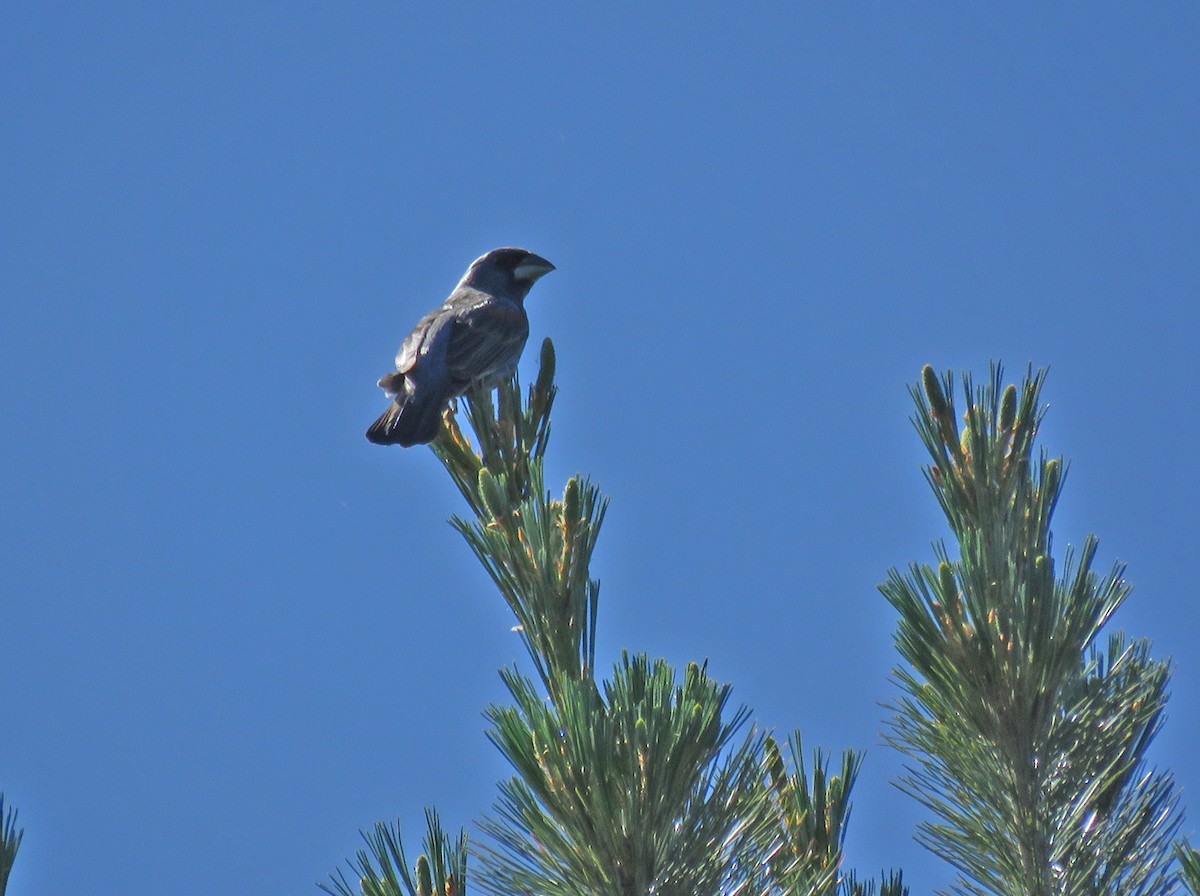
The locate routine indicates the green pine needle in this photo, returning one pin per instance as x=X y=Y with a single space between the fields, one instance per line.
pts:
x=383 y=869
x=1027 y=741
x=637 y=787
x=10 y=842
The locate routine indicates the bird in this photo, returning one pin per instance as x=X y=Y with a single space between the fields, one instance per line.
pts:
x=475 y=337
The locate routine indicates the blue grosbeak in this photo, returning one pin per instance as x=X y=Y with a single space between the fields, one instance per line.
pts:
x=476 y=336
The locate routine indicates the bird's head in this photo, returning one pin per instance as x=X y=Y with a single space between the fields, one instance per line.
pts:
x=509 y=270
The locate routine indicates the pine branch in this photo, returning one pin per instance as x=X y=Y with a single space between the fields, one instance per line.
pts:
x=813 y=817
x=383 y=870
x=10 y=842
x=891 y=883
x=1027 y=741
x=633 y=790
x=537 y=549
x=811 y=821
x=1189 y=866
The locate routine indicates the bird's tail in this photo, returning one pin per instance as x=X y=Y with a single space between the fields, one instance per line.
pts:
x=409 y=421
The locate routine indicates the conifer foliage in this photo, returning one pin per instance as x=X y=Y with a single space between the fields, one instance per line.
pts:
x=1189 y=867
x=1027 y=734
x=647 y=782
x=10 y=842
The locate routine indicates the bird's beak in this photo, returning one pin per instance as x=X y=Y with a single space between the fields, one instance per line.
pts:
x=532 y=267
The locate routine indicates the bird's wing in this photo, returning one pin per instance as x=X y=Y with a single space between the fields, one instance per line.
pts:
x=485 y=339
x=423 y=333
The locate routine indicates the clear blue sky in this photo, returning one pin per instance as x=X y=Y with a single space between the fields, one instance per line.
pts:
x=233 y=632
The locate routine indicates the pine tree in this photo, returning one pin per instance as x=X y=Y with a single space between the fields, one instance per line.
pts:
x=1027 y=734
x=646 y=782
